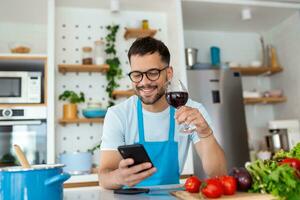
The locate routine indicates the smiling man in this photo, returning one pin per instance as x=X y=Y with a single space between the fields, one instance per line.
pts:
x=147 y=118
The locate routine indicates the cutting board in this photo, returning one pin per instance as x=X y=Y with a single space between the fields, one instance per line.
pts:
x=184 y=195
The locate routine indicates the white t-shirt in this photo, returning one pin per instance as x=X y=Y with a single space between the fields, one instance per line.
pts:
x=121 y=127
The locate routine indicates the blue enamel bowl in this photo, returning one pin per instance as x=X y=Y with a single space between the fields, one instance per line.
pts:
x=93 y=112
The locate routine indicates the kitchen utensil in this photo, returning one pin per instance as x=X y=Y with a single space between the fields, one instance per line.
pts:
x=264 y=155
x=21 y=157
x=34 y=183
x=93 y=112
x=77 y=163
x=191 y=56
x=273 y=57
x=19 y=47
x=277 y=140
x=184 y=195
x=256 y=63
x=273 y=93
x=215 y=56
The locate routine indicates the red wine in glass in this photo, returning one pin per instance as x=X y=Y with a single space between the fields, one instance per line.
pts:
x=177 y=96
x=177 y=99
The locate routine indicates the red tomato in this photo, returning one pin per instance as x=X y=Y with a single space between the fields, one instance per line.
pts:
x=212 y=188
x=293 y=162
x=192 y=184
x=229 y=184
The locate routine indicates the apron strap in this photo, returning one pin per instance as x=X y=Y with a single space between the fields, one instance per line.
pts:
x=141 y=123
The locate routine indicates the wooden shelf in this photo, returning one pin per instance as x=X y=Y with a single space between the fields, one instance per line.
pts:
x=81 y=120
x=64 y=68
x=136 y=33
x=122 y=93
x=13 y=105
x=23 y=56
x=265 y=100
x=254 y=71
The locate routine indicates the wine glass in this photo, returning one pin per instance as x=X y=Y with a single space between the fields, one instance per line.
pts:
x=177 y=96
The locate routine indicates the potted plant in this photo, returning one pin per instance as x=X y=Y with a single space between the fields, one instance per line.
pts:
x=70 y=109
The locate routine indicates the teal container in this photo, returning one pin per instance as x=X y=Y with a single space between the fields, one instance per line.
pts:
x=215 y=56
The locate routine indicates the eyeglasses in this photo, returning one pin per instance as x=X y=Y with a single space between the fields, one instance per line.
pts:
x=152 y=74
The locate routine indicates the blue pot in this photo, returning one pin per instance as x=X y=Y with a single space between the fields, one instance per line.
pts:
x=39 y=182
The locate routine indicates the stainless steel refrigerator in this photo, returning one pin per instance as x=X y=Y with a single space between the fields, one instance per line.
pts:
x=220 y=91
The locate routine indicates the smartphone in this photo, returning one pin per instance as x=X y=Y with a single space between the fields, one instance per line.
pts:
x=131 y=191
x=135 y=151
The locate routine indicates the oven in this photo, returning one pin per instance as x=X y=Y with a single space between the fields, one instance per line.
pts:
x=26 y=127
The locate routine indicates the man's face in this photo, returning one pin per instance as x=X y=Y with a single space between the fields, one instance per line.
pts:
x=150 y=91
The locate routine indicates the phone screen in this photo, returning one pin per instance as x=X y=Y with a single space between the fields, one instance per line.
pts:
x=135 y=151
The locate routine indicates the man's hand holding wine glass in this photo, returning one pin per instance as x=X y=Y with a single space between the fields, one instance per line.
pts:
x=192 y=116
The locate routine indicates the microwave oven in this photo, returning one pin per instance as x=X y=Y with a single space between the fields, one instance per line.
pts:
x=20 y=87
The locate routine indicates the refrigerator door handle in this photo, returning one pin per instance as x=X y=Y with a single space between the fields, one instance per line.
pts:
x=215 y=96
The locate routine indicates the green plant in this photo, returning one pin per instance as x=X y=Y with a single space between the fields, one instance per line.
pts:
x=94 y=148
x=115 y=72
x=72 y=97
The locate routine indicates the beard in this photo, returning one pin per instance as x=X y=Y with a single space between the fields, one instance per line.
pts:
x=150 y=100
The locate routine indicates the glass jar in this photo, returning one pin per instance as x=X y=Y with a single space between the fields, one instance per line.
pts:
x=87 y=57
x=145 y=24
x=99 y=52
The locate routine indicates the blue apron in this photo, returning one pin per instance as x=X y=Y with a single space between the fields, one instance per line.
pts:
x=164 y=155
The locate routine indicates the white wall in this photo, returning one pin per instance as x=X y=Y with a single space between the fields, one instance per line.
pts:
x=34 y=35
x=286 y=38
x=242 y=48
x=238 y=47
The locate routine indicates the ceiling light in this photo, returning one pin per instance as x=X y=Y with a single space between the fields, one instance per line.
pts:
x=114 y=5
x=246 y=14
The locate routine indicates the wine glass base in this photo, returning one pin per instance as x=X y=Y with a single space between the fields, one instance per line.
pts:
x=187 y=129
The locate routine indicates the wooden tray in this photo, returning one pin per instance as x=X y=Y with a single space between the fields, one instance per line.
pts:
x=183 y=195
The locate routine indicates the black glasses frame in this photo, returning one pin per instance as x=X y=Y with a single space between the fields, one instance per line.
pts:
x=146 y=73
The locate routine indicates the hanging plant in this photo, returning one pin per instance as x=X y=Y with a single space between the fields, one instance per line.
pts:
x=115 y=72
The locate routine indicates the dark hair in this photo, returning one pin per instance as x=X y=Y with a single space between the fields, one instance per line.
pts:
x=149 y=45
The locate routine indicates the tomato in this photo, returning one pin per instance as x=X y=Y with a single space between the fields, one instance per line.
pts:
x=293 y=162
x=192 y=184
x=229 y=184
x=212 y=188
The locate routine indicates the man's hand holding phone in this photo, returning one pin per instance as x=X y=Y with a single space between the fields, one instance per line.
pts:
x=130 y=174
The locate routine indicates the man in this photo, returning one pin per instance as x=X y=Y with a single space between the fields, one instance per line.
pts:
x=146 y=118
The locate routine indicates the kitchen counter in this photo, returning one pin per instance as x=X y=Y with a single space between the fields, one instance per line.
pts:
x=98 y=193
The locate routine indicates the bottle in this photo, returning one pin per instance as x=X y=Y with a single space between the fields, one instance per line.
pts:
x=99 y=52
x=145 y=24
x=87 y=57
x=273 y=57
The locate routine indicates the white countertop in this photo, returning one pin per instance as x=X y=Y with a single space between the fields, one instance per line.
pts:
x=98 y=193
